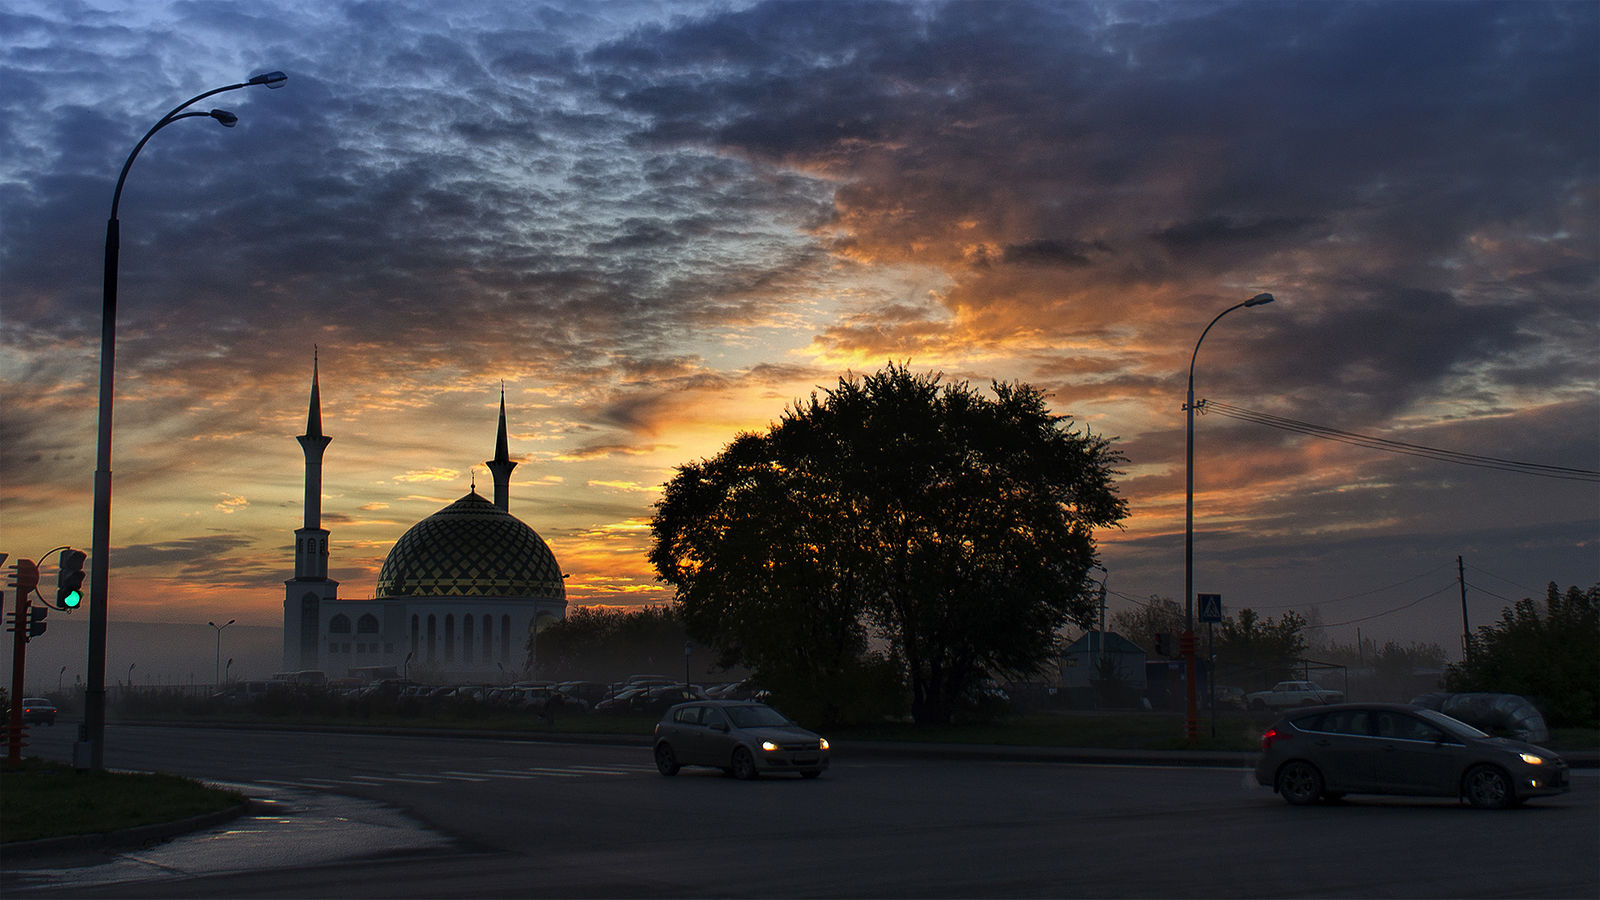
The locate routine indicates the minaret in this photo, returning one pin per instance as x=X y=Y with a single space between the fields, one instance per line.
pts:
x=310 y=588
x=502 y=465
x=311 y=541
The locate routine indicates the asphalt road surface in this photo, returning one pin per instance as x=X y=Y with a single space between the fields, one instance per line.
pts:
x=382 y=816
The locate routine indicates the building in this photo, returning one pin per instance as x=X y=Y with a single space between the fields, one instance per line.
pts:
x=457 y=596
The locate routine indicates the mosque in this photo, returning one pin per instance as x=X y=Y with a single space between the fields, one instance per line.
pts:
x=457 y=596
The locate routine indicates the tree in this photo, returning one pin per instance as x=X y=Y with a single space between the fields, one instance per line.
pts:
x=1551 y=656
x=609 y=644
x=1256 y=652
x=955 y=526
x=1141 y=624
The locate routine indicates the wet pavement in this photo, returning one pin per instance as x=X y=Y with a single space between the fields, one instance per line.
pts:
x=284 y=829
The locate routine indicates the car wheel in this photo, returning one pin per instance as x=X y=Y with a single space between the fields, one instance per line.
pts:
x=1487 y=787
x=666 y=760
x=1299 y=782
x=744 y=765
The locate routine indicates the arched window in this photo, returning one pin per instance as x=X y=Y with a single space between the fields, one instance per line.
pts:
x=339 y=624
x=505 y=638
x=488 y=639
x=466 y=639
x=450 y=638
x=433 y=637
x=367 y=624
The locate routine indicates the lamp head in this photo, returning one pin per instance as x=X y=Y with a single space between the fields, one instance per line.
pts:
x=227 y=119
x=1259 y=299
x=273 y=80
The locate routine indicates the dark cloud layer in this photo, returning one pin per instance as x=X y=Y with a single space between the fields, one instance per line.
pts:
x=659 y=219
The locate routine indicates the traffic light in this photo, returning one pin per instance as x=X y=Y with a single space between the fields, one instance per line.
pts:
x=36 y=623
x=24 y=577
x=69 y=578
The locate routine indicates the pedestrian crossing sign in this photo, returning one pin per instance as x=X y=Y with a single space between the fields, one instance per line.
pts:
x=1210 y=607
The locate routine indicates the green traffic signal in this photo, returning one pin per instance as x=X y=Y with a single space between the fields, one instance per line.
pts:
x=69 y=578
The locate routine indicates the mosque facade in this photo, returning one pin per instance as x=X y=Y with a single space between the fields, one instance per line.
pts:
x=457 y=596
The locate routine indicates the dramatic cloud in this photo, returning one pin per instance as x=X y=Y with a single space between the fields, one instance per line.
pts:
x=656 y=224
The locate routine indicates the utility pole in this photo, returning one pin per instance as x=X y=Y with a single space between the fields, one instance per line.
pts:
x=1466 y=632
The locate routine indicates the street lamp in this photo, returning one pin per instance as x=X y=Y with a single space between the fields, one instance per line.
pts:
x=1191 y=722
x=91 y=750
x=219 y=649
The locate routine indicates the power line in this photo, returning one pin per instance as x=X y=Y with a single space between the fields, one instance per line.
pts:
x=1532 y=592
x=1376 y=443
x=1386 y=612
x=1365 y=593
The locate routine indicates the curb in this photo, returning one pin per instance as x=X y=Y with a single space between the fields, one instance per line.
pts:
x=124 y=839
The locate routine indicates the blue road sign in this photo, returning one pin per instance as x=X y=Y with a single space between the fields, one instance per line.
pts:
x=1210 y=607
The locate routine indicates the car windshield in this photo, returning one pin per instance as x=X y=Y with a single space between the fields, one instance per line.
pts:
x=1455 y=726
x=755 y=717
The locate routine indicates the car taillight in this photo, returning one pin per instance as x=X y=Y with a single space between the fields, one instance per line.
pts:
x=1272 y=736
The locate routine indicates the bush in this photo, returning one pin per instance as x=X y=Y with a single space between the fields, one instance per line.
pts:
x=1549 y=655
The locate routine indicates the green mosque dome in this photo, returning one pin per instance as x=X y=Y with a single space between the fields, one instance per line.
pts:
x=471 y=548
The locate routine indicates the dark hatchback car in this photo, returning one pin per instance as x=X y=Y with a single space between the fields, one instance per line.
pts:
x=1325 y=752
x=740 y=737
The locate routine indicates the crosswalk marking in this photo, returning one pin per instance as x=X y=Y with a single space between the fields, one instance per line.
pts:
x=454 y=775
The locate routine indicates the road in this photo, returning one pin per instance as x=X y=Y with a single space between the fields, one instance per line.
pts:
x=509 y=818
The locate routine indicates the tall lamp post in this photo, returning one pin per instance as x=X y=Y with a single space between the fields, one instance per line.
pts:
x=90 y=752
x=1191 y=722
x=219 y=648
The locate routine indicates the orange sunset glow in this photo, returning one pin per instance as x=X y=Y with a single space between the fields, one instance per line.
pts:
x=657 y=226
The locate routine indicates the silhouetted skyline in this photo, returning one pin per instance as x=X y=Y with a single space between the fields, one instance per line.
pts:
x=660 y=223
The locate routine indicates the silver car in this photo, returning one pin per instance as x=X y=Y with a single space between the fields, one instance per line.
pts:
x=1325 y=752
x=743 y=738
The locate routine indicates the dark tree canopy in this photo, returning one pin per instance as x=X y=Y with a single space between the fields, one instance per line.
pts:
x=1551 y=655
x=594 y=643
x=955 y=526
x=1158 y=615
x=1254 y=652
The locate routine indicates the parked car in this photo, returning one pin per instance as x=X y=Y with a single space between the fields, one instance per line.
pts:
x=1285 y=694
x=548 y=701
x=36 y=710
x=1230 y=698
x=742 y=738
x=620 y=702
x=659 y=699
x=1323 y=753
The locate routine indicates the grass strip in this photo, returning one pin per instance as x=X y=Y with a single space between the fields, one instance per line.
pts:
x=43 y=799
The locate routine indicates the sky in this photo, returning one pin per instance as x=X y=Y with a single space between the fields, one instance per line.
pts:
x=656 y=225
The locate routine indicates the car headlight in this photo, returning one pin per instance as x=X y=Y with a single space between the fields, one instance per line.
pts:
x=1531 y=759
x=824 y=743
x=768 y=746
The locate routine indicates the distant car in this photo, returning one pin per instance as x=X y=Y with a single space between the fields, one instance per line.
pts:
x=36 y=710
x=1230 y=698
x=1285 y=694
x=742 y=738
x=1323 y=753
x=661 y=698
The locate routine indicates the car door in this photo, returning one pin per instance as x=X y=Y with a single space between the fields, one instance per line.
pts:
x=682 y=730
x=1342 y=749
x=716 y=738
x=1413 y=756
